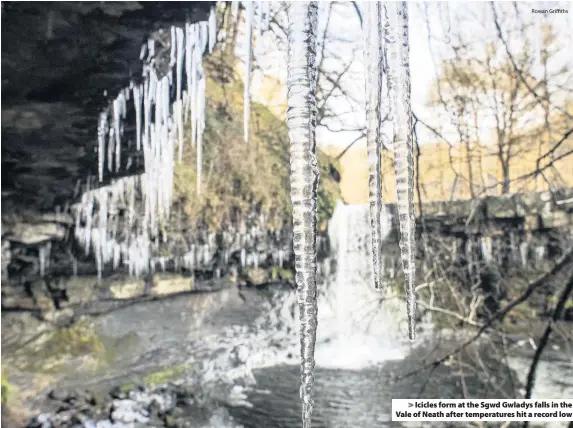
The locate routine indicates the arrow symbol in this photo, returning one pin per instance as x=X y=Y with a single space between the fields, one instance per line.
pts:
x=410 y=405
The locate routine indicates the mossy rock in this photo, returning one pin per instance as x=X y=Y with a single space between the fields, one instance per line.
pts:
x=256 y=276
x=127 y=288
x=165 y=284
x=170 y=374
x=50 y=352
x=278 y=273
x=7 y=388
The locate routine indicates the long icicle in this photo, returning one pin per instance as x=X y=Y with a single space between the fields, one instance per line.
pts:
x=301 y=120
x=248 y=64
x=373 y=85
x=101 y=134
x=396 y=34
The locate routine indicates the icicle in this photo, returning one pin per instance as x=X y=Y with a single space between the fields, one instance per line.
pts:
x=101 y=134
x=180 y=54
x=487 y=249
x=178 y=116
x=193 y=94
x=74 y=266
x=44 y=256
x=249 y=65
x=137 y=104
x=150 y=49
x=396 y=34
x=204 y=32
x=174 y=47
x=301 y=120
x=117 y=105
x=189 y=41
x=212 y=29
x=373 y=62
x=110 y=149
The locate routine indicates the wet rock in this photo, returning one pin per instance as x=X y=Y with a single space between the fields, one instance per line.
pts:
x=165 y=284
x=42 y=296
x=127 y=288
x=256 y=276
x=117 y=393
x=79 y=289
x=33 y=234
x=6 y=257
x=17 y=297
x=129 y=411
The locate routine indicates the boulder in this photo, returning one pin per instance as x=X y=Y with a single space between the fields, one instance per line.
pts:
x=165 y=284
x=127 y=288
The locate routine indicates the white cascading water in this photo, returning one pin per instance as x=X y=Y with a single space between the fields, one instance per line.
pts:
x=353 y=323
x=354 y=329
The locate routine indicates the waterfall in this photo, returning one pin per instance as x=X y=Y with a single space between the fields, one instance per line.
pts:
x=353 y=323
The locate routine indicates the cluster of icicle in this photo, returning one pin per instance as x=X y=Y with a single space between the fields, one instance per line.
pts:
x=396 y=46
x=386 y=47
x=97 y=227
x=107 y=226
x=161 y=106
x=386 y=52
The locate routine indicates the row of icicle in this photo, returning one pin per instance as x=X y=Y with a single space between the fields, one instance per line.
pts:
x=107 y=225
x=386 y=56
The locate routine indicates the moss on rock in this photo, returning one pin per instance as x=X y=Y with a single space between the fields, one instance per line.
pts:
x=165 y=376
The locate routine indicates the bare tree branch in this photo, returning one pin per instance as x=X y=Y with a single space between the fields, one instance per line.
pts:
x=566 y=258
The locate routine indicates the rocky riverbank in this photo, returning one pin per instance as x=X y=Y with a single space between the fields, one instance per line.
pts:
x=168 y=405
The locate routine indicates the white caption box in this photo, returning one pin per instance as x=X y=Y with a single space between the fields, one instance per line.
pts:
x=482 y=410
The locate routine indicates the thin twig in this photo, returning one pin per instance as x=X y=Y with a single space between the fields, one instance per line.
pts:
x=500 y=314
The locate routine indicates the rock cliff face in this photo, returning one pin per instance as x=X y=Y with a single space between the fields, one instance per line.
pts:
x=61 y=64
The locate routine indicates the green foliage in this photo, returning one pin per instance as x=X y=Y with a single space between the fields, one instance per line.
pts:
x=239 y=177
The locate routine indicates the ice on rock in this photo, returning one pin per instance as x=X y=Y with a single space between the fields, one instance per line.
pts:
x=301 y=121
